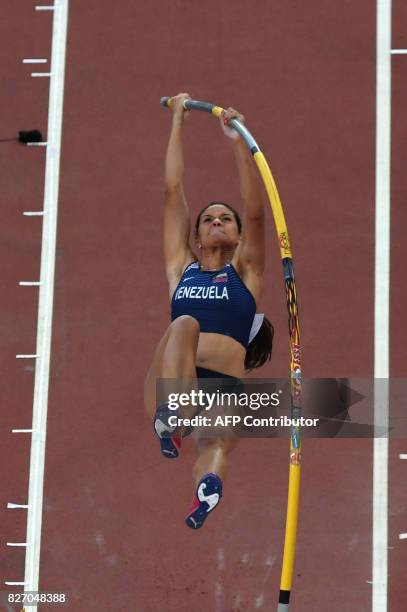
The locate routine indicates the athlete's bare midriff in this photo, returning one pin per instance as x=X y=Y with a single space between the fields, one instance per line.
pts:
x=221 y=354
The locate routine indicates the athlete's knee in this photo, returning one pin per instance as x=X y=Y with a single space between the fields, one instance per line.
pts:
x=185 y=324
x=217 y=445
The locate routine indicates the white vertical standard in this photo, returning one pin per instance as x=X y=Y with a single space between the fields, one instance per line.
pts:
x=46 y=295
x=381 y=304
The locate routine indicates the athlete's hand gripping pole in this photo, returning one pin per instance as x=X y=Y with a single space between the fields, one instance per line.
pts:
x=207 y=107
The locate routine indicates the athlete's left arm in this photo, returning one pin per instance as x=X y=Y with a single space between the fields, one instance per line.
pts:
x=250 y=254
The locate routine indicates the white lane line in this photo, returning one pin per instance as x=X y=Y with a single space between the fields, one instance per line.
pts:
x=29 y=283
x=398 y=51
x=34 y=213
x=26 y=356
x=12 y=506
x=403 y=456
x=35 y=60
x=16 y=544
x=12 y=583
x=403 y=536
x=41 y=74
x=381 y=305
x=46 y=295
x=44 y=8
x=36 y=144
x=22 y=430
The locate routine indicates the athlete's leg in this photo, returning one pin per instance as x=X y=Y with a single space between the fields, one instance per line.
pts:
x=174 y=357
x=212 y=456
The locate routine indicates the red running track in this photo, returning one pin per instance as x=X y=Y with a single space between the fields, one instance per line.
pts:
x=304 y=76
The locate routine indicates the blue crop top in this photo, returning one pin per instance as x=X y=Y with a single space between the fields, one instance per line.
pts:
x=219 y=300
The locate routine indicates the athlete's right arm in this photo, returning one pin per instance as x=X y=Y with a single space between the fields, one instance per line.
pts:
x=177 y=251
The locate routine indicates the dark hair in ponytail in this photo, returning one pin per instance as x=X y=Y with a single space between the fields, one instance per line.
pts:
x=260 y=348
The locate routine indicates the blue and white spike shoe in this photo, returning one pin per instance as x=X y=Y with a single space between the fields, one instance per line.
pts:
x=206 y=498
x=170 y=444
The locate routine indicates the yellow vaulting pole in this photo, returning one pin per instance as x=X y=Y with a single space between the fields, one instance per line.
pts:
x=290 y=533
x=294 y=339
x=295 y=367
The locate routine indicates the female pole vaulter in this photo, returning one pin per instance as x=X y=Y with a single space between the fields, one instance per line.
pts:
x=215 y=332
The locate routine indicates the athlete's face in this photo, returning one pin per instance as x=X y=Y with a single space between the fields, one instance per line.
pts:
x=217 y=227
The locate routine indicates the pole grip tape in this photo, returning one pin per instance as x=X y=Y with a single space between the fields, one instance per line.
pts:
x=189 y=104
x=208 y=107
x=284 y=599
